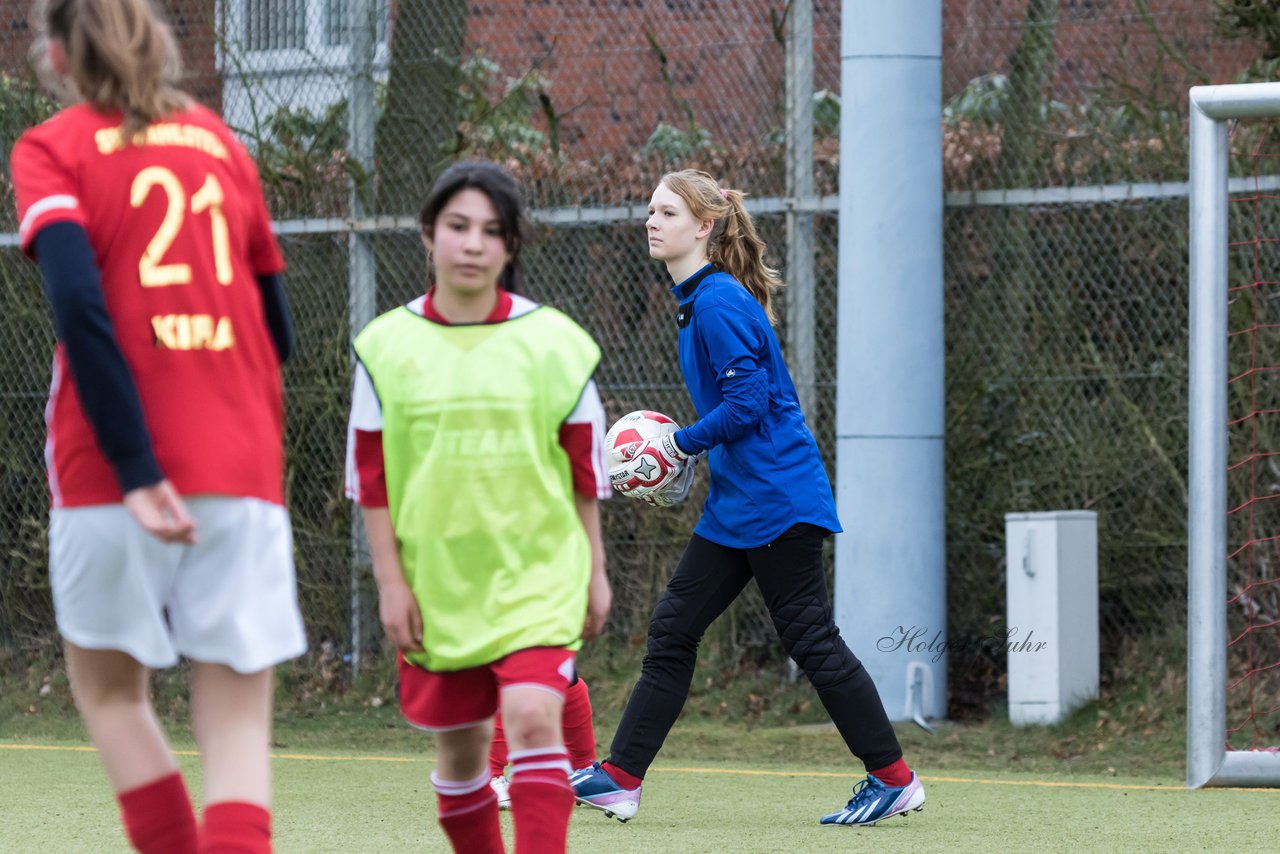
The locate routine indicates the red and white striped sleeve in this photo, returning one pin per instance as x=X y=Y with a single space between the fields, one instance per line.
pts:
x=366 y=468
x=44 y=187
x=582 y=437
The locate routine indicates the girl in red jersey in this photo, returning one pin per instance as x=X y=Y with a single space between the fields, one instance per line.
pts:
x=477 y=457
x=168 y=535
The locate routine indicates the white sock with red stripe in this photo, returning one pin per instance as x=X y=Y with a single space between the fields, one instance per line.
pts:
x=468 y=812
x=541 y=799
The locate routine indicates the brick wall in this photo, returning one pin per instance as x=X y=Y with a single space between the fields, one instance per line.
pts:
x=603 y=57
x=724 y=59
x=1096 y=40
x=192 y=22
x=195 y=27
x=15 y=36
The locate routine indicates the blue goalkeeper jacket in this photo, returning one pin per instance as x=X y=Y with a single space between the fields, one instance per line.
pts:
x=766 y=472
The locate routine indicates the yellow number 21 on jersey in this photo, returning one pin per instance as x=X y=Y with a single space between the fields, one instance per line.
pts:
x=151 y=272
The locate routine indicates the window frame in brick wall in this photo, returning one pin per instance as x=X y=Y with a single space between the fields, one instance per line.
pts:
x=313 y=39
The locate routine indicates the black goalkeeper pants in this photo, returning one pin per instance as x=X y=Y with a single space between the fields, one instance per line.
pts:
x=791 y=578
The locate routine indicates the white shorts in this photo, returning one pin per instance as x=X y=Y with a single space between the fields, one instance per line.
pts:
x=229 y=599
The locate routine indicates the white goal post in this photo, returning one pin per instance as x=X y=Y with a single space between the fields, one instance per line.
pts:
x=1209 y=762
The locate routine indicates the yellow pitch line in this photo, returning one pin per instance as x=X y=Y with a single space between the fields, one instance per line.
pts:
x=739 y=772
x=927 y=779
x=1055 y=784
x=934 y=779
x=310 y=757
x=296 y=756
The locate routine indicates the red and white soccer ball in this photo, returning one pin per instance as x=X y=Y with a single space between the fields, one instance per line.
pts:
x=627 y=475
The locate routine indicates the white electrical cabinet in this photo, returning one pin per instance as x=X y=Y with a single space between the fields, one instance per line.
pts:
x=1051 y=636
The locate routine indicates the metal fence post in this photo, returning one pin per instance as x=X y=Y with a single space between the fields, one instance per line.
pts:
x=800 y=191
x=799 y=273
x=362 y=266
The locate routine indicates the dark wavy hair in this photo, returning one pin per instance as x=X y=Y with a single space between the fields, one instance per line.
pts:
x=503 y=191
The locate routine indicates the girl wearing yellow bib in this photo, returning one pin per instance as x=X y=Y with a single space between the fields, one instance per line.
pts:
x=476 y=456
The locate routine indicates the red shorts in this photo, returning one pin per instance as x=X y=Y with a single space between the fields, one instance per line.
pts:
x=459 y=699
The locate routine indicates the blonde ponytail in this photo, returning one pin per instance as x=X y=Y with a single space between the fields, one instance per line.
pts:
x=120 y=55
x=734 y=245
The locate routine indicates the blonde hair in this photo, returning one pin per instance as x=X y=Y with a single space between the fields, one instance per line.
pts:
x=120 y=56
x=734 y=245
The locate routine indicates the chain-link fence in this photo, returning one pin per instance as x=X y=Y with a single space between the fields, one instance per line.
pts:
x=1065 y=251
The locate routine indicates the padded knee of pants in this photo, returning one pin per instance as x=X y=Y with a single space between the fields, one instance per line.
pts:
x=810 y=636
x=667 y=636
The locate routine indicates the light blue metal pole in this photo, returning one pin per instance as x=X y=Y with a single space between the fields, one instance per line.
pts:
x=1207 y=455
x=362 y=269
x=890 y=484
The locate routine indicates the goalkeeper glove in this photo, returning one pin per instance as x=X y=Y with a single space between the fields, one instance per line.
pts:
x=676 y=490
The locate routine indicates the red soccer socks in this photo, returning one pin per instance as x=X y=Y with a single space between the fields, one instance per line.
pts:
x=622 y=778
x=579 y=728
x=468 y=813
x=235 y=827
x=895 y=775
x=158 y=817
x=541 y=799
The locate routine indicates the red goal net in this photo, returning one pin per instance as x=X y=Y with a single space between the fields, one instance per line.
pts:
x=1253 y=436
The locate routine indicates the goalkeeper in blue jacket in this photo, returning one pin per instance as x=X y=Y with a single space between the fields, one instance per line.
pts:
x=769 y=509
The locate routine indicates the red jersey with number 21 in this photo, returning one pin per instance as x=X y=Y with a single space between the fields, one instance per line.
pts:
x=180 y=231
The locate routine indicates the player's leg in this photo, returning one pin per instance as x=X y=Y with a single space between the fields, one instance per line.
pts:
x=458 y=707
x=498 y=764
x=708 y=578
x=793 y=583
x=466 y=805
x=107 y=578
x=111 y=691
x=231 y=717
x=234 y=614
x=579 y=725
x=532 y=686
x=461 y=752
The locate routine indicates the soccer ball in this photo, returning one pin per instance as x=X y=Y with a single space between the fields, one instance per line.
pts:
x=626 y=475
x=638 y=426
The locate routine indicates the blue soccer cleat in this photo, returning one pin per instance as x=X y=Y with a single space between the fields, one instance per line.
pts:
x=873 y=801
x=594 y=787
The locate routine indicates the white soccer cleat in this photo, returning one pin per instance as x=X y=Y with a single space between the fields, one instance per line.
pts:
x=502 y=789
